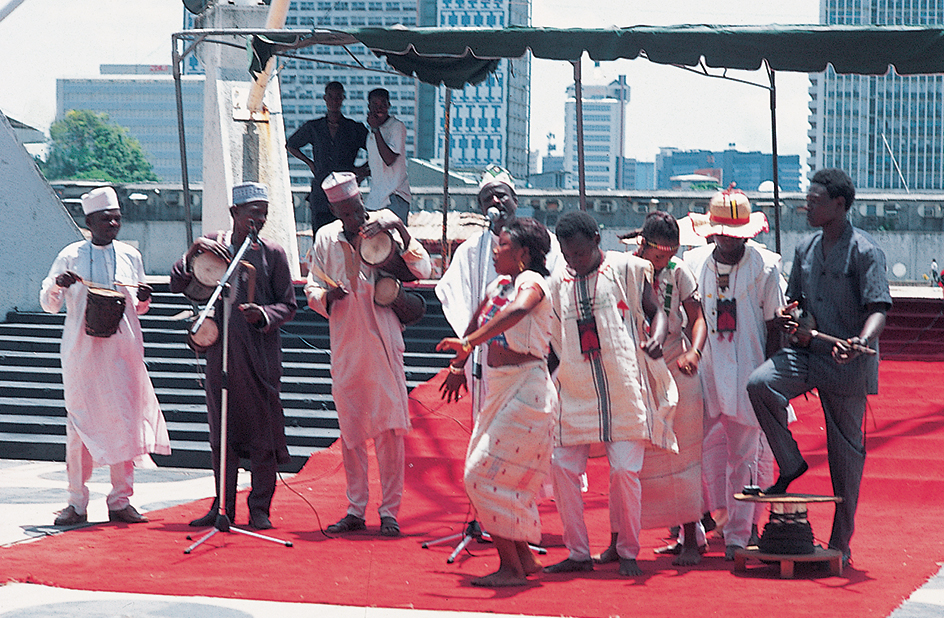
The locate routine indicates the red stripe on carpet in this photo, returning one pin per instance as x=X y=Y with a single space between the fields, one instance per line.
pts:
x=896 y=548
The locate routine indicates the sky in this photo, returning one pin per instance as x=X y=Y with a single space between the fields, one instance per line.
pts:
x=42 y=40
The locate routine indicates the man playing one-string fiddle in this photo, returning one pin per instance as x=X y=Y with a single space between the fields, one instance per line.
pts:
x=255 y=422
x=839 y=279
x=367 y=372
x=112 y=413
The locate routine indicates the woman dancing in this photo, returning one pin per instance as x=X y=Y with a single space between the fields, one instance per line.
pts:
x=510 y=449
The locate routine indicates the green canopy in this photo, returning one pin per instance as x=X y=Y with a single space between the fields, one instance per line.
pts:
x=458 y=56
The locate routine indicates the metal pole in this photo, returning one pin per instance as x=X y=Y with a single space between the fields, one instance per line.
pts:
x=776 y=169
x=184 y=177
x=578 y=93
x=444 y=251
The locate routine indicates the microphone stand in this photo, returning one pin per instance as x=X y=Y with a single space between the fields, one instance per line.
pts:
x=223 y=523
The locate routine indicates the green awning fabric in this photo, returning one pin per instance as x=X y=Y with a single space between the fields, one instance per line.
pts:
x=459 y=56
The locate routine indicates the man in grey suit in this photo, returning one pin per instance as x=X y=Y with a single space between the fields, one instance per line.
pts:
x=839 y=283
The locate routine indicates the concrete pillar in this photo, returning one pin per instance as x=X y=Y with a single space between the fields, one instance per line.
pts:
x=239 y=147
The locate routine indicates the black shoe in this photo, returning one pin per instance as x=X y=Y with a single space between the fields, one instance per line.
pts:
x=68 y=517
x=259 y=520
x=780 y=487
x=209 y=520
x=127 y=515
x=348 y=523
x=629 y=567
x=389 y=526
x=570 y=566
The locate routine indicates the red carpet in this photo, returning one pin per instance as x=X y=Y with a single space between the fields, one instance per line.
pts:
x=896 y=548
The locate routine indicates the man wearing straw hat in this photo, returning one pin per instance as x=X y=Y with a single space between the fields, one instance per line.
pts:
x=741 y=290
x=367 y=371
x=112 y=413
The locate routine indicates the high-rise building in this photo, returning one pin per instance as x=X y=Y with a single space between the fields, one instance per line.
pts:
x=885 y=131
x=638 y=175
x=747 y=169
x=604 y=131
x=142 y=99
x=489 y=121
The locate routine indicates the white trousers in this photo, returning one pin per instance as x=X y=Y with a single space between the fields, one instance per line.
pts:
x=568 y=463
x=79 y=466
x=391 y=460
x=744 y=457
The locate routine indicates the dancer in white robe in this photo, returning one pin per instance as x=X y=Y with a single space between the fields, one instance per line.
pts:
x=615 y=389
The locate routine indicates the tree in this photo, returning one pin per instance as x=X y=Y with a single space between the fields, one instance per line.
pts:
x=88 y=146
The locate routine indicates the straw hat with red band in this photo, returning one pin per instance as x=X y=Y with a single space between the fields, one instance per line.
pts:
x=729 y=214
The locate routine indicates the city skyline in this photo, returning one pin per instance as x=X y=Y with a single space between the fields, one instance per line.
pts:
x=53 y=39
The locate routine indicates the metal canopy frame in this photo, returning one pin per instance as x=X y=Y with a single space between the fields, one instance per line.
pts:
x=457 y=56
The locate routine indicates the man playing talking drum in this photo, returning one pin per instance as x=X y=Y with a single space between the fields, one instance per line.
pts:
x=367 y=372
x=112 y=413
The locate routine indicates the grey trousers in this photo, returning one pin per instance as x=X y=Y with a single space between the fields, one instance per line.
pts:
x=787 y=375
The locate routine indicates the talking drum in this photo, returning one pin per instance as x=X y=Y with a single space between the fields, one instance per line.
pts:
x=381 y=251
x=206 y=335
x=207 y=268
x=103 y=311
x=408 y=307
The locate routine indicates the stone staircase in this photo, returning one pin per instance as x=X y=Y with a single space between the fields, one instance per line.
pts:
x=32 y=413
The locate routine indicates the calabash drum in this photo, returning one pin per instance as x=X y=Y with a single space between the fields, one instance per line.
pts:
x=206 y=335
x=103 y=311
x=408 y=306
x=382 y=252
x=208 y=268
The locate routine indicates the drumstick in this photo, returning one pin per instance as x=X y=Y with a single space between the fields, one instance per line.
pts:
x=102 y=287
x=324 y=277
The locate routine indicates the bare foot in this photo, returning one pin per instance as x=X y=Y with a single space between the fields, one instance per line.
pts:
x=690 y=553
x=690 y=556
x=607 y=556
x=499 y=579
x=629 y=567
x=529 y=562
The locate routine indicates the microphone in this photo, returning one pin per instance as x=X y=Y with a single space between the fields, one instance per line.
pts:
x=493 y=214
x=254 y=234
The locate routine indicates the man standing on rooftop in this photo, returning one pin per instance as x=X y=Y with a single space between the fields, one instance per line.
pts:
x=335 y=141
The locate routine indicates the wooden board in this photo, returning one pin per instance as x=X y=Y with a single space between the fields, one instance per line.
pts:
x=787 y=498
x=786 y=561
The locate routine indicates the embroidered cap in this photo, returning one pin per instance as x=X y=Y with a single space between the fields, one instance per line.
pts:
x=340 y=186
x=102 y=198
x=250 y=192
x=494 y=174
x=729 y=214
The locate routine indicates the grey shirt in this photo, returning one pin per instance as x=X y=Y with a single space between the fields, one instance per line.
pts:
x=836 y=289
